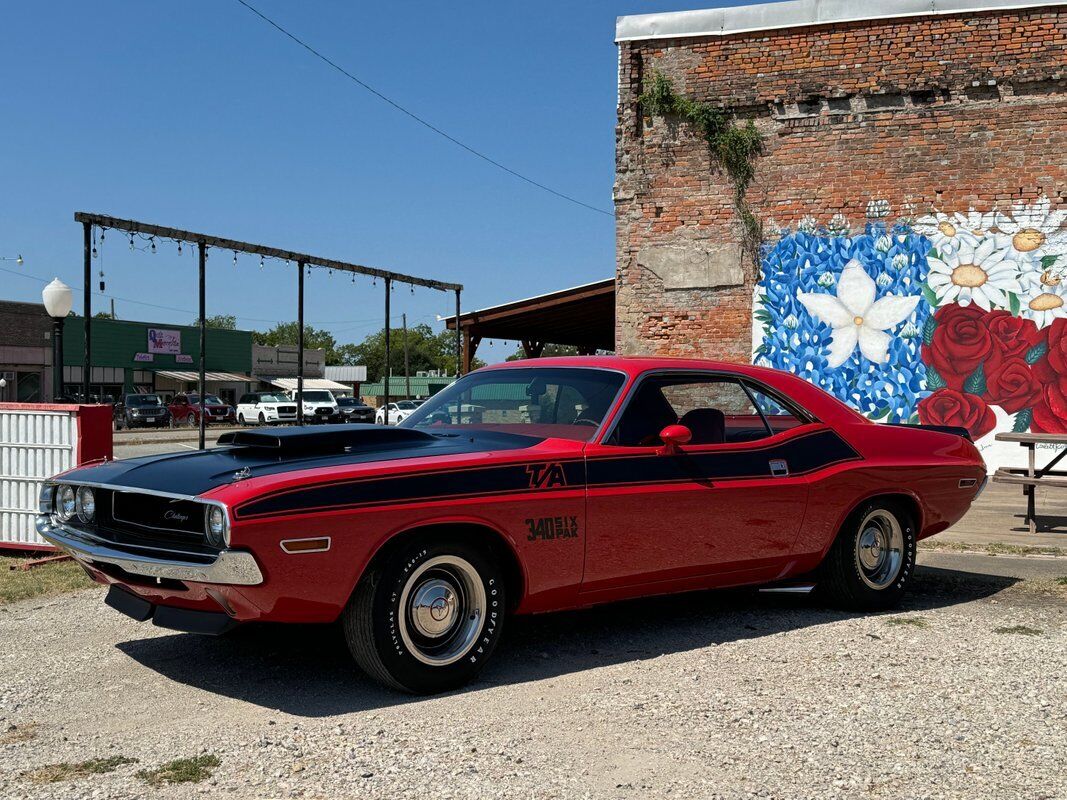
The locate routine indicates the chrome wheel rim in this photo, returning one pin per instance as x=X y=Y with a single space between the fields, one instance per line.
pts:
x=879 y=549
x=442 y=610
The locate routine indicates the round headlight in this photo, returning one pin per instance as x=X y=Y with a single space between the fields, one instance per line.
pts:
x=86 y=504
x=66 y=502
x=216 y=526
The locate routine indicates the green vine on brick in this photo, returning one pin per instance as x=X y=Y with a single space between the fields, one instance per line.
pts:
x=732 y=144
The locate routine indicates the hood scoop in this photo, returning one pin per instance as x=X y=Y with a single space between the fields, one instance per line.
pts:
x=324 y=439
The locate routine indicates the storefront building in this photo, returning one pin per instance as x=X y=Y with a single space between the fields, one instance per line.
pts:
x=130 y=357
x=25 y=353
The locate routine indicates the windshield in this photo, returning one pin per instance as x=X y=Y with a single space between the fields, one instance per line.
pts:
x=349 y=401
x=209 y=400
x=318 y=396
x=566 y=402
x=407 y=405
x=271 y=398
x=142 y=400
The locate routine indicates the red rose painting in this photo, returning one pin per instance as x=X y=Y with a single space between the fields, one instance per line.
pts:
x=1050 y=412
x=950 y=407
x=1011 y=385
x=1052 y=365
x=977 y=360
x=960 y=344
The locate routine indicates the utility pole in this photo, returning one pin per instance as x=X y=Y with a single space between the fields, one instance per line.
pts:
x=407 y=363
x=113 y=308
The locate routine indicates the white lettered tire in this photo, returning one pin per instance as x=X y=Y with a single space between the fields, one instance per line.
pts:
x=427 y=618
x=873 y=558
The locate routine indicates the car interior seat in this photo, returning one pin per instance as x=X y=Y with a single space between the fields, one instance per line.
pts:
x=708 y=425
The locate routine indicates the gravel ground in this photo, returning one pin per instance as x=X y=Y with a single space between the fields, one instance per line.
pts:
x=707 y=695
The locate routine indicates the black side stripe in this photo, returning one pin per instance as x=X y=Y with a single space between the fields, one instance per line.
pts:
x=804 y=455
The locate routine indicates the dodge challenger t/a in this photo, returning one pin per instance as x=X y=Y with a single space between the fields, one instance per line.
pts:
x=524 y=487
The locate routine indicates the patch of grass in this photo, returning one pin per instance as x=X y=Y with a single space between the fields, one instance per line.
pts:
x=993 y=548
x=1021 y=630
x=1061 y=581
x=54 y=773
x=181 y=770
x=47 y=580
x=19 y=733
x=915 y=622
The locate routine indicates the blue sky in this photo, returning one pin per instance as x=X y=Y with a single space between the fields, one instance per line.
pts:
x=198 y=115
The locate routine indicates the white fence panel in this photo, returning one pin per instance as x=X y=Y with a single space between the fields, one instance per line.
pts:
x=34 y=445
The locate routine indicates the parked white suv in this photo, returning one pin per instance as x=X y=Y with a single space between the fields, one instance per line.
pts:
x=398 y=412
x=265 y=408
x=319 y=405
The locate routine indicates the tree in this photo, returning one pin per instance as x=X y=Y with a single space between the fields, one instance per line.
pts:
x=225 y=321
x=314 y=339
x=426 y=351
x=550 y=350
x=101 y=315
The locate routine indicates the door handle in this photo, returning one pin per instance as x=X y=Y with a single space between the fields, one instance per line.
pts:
x=779 y=468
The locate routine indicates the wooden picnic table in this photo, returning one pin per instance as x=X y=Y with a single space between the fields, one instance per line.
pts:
x=1031 y=477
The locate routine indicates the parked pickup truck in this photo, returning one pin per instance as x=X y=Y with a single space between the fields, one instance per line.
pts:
x=319 y=405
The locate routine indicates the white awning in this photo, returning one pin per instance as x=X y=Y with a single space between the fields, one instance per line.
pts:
x=223 y=377
x=289 y=384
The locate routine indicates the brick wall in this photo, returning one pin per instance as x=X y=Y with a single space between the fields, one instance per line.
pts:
x=935 y=112
x=24 y=325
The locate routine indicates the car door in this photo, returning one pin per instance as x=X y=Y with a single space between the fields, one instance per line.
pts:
x=723 y=509
x=179 y=408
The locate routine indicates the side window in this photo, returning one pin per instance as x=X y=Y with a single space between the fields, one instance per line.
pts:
x=780 y=417
x=717 y=409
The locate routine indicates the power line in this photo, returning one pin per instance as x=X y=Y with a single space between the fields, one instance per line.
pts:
x=416 y=117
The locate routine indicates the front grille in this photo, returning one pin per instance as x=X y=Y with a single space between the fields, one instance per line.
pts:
x=286 y=409
x=323 y=412
x=164 y=514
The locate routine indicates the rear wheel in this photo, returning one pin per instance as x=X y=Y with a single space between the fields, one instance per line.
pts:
x=872 y=559
x=262 y=419
x=427 y=617
x=191 y=421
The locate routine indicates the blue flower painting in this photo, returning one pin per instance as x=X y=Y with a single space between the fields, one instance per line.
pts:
x=843 y=311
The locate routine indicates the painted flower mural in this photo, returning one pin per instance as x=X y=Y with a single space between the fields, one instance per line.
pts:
x=954 y=318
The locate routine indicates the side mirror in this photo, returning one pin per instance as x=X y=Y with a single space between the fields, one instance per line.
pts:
x=674 y=436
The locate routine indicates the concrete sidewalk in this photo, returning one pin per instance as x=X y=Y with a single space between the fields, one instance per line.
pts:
x=999 y=517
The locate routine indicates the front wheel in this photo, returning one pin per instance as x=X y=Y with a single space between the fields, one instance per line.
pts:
x=428 y=617
x=872 y=559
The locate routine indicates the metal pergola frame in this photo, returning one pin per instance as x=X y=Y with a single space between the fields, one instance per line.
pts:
x=302 y=260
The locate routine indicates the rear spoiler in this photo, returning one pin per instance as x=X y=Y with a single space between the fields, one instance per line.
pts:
x=953 y=429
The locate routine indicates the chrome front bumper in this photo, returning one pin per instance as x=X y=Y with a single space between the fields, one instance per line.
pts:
x=232 y=567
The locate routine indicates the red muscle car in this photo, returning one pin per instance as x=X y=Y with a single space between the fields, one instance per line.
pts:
x=524 y=487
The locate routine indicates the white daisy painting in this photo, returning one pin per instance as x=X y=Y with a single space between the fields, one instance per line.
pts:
x=984 y=271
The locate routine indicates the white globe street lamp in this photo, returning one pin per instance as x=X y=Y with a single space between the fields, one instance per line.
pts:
x=58 y=301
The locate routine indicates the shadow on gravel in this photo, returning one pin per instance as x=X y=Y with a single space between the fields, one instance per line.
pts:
x=306 y=670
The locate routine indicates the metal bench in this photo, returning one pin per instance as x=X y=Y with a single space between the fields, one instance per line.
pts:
x=1031 y=477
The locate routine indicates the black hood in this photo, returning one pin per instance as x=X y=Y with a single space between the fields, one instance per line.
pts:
x=289 y=449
